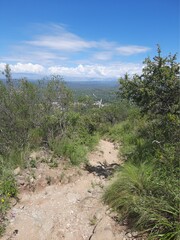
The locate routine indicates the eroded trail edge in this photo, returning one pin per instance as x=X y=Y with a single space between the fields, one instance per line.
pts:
x=70 y=210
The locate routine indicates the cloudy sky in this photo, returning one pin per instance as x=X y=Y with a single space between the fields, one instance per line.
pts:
x=85 y=38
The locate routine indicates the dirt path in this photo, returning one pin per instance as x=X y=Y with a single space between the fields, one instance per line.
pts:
x=70 y=211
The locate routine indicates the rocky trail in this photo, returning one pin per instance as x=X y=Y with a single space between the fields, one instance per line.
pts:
x=65 y=203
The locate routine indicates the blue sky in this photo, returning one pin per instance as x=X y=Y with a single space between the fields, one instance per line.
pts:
x=85 y=38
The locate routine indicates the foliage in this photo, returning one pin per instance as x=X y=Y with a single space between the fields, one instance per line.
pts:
x=156 y=91
x=146 y=191
x=7 y=74
x=79 y=139
x=43 y=113
x=75 y=152
x=32 y=113
x=146 y=201
x=8 y=190
x=95 y=90
x=144 y=119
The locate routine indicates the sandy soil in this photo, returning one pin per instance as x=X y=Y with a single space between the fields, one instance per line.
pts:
x=70 y=210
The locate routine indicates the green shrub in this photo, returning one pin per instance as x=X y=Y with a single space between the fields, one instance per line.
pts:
x=8 y=186
x=8 y=189
x=70 y=149
x=2 y=229
x=146 y=191
x=35 y=137
x=148 y=202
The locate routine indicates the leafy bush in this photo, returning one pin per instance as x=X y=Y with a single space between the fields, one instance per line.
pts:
x=146 y=191
x=70 y=149
x=148 y=202
x=8 y=190
x=74 y=148
x=32 y=113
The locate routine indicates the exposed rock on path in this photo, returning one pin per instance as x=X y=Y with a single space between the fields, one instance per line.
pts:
x=71 y=211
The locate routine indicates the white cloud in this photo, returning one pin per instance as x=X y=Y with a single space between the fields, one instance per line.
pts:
x=103 y=56
x=58 y=38
x=2 y=65
x=34 y=56
x=115 y=70
x=62 y=40
x=97 y=71
x=131 y=50
x=56 y=49
x=24 y=68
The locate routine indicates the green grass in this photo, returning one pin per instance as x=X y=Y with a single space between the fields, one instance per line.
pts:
x=75 y=149
x=75 y=152
x=125 y=133
x=146 y=190
x=148 y=202
x=8 y=190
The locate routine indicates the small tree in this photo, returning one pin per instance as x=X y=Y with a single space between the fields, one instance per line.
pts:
x=156 y=91
x=8 y=76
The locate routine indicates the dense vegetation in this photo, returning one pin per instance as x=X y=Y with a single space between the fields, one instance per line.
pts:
x=44 y=113
x=96 y=90
x=144 y=118
x=146 y=191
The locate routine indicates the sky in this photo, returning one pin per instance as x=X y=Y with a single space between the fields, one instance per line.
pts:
x=97 y=39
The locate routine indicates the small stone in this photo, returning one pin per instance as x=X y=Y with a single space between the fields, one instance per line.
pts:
x=134 y=234
x=98 y=215
x=108 y=212
x=129 y=235
x=68 y=226
x=17 y=171
x=31 y=180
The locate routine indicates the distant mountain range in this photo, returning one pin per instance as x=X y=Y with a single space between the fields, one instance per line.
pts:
x=103 y=84
x=101 y=89
x=34 y=77
x=82 y=83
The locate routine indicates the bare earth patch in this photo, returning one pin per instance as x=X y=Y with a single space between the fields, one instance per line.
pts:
x=66 y=204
